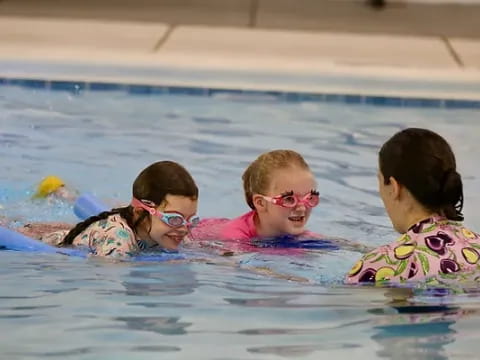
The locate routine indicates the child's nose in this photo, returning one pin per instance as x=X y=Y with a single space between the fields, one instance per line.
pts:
x=300 y=206
x=182 y=230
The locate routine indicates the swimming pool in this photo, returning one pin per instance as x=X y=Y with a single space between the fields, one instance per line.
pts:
x=54 y=306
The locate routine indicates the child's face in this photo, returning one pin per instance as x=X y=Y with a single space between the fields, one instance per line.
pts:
x=171 y=237
x=280 y=220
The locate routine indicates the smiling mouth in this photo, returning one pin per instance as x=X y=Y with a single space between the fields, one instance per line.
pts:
x=176 y=238
x=297 y=219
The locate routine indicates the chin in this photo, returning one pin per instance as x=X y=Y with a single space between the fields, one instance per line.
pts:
x=170 y=244
x=296 y=231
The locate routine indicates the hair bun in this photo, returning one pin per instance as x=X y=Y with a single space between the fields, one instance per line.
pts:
x=452 y=187
x=452 y=193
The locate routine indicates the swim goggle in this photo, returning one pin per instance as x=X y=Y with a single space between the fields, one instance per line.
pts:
x=171 y=219
x=290 y=200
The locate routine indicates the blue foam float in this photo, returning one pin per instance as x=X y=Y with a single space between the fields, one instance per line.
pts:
x=290 y=242
x=88 y=205
x=13 y=240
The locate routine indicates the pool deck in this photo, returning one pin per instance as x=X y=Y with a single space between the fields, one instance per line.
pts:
x=321 y=46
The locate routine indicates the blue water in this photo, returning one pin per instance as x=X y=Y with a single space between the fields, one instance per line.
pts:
x=53 y=306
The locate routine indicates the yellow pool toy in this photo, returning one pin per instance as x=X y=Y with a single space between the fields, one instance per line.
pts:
x=48 y=185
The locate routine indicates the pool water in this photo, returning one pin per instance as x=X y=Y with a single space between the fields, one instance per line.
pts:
x=52 y=306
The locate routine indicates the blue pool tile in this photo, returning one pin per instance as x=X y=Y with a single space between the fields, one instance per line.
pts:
x=28 y=83
x=427 y=103
x=312 y=97
x=288 y=96
x=216 y=92
x=98 y=86
x=35 y=84
x=354 y=99
x=182 y=90
x=139 y=89
x=71 y=86
x=159 y=90
x=383 y=101
x=270 y=93
x=264 y=95
x=462 y=104
x=292 y=97
x=334 y=98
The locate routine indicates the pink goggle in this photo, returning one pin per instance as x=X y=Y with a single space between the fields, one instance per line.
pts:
x=171 y=219
x=290 y=200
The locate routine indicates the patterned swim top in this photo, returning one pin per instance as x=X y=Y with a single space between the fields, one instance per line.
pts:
x=435 y=247
x=107 y=237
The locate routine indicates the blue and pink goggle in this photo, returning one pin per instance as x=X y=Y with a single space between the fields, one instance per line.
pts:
x=172 y=219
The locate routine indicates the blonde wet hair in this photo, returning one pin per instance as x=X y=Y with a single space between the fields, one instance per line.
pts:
x=258 y=176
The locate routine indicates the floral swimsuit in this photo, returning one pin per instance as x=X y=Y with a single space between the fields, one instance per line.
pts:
x=110 y=237
x=433 y=248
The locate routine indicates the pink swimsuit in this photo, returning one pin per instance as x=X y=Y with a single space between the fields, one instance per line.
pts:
x=433 y=248
x=236 y=235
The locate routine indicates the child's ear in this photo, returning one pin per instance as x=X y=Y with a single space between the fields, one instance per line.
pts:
x=137 y=212
x=259 y=202
x=396 y=188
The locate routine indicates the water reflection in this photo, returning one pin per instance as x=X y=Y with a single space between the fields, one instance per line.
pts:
x=155 y=286
x=413 y=329
x=158 y=324
x=417 y=337
x=160 y=281
x=296 y=351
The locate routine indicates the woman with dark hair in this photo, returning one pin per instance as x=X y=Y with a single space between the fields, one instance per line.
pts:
x=161 y=213
x=423 y=195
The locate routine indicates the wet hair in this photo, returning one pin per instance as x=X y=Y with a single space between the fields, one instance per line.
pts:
x=154 y=183
x=258 y=175
x=424 y=163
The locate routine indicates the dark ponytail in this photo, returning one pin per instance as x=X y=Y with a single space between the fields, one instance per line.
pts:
x=424 y=163
x=452 y=196
x=124 y=212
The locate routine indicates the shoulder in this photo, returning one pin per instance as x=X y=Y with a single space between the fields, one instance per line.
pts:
x=446 y=234
x=112 y=225
x=109 y=237
x=240 y=228
x=207 y=229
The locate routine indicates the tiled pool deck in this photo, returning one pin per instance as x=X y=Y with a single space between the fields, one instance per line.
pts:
x=334 y=47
